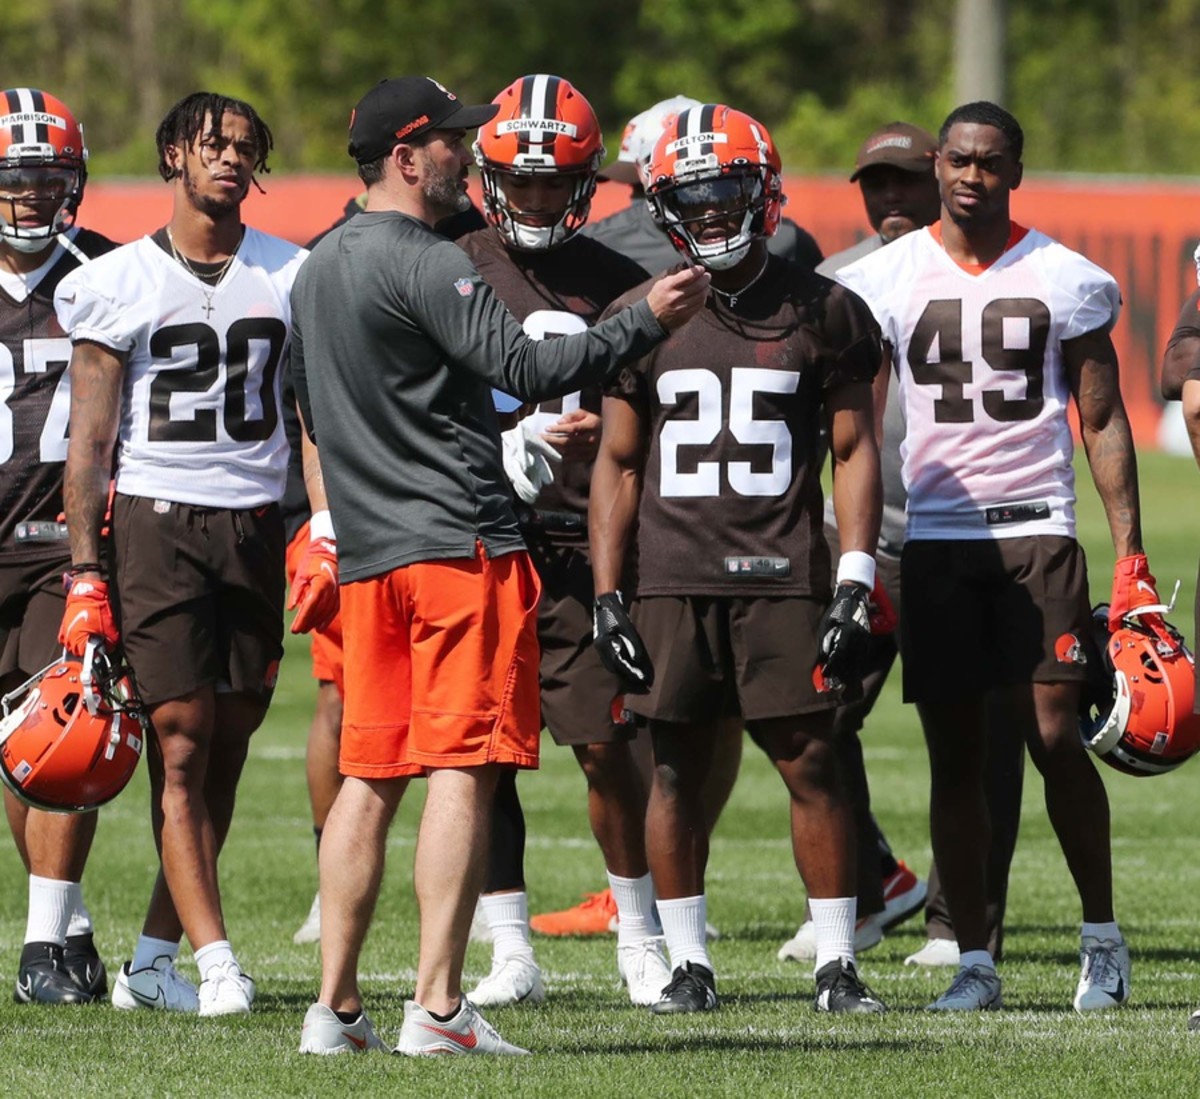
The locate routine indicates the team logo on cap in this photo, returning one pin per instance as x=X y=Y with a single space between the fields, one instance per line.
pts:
x=441 y=88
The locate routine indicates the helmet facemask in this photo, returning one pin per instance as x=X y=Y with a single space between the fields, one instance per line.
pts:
x=693 y=211
x=517 y=227
x=32 y=183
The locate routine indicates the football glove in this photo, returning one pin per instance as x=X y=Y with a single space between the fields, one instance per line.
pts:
x=619 y=645
x=88 y=615
x=843 y=638
x=883 y=614
x=1133 y=588
x=314 y=596
x=527 y=460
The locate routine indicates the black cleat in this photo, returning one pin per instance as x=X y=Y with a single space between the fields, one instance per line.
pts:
x=84 y=965
x=693 y=988
x=840 y=990
x=43 y=978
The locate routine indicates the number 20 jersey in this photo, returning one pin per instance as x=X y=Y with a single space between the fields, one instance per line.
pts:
x=733 y=404
x=35 y=401
x=200 y=420
x=979 y=361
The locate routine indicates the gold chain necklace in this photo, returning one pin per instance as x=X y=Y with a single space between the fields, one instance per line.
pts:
x=208 y=282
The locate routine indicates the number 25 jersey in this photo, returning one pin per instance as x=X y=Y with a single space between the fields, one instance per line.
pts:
x=981 y=372
x=200 y=419
x=733 y=405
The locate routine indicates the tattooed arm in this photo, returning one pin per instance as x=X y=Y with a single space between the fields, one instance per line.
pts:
x=97 y=377
x=1091 y=362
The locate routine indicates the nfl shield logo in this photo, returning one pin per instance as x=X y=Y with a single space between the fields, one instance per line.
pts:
x=464 y=287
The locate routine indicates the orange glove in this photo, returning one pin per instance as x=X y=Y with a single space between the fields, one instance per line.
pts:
x=88 y=614
x=1133 y=587
x=883 y=614
x=314 y=595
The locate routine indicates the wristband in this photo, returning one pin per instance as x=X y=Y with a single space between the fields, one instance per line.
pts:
x=321 y=526
x=856 y=567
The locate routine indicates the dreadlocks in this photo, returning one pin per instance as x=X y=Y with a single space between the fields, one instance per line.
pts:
x=185 y=121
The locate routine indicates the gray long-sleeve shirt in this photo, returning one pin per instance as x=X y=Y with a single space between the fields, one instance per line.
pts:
x=397 y=343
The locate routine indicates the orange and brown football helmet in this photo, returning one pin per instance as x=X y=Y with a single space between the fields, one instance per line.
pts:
x=1143 y=722
x=71 y=737
x=545 y=128
x=715 y=166
x=42 y=156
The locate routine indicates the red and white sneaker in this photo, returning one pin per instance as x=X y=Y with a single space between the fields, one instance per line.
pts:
x=468 y=1032
x=596 y=914
x=802 y=947
x=903 y=896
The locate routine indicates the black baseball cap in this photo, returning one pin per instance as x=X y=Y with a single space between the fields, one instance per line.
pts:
x=405 y=107
x=900 y=145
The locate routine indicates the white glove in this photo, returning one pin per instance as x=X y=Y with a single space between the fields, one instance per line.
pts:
x=527 y=458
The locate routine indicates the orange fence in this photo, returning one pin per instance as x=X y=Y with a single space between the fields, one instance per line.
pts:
x=1143 y=233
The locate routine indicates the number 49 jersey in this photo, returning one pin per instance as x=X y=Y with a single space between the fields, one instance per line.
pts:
x=982 y=378
x=733 y=405
x=200 y=420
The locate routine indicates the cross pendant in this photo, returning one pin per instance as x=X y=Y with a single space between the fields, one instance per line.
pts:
x=208 y=306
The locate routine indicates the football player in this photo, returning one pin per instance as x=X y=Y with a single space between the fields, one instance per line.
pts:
x=993 y=328
x=711 y=449
x=538 y=160
x=178 y=339
x=43 y=168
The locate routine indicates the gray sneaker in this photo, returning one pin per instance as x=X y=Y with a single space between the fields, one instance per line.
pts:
x=468 y=1032
x=323 y=1032
x=973 y=989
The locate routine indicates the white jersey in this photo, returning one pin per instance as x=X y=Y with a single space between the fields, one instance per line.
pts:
x=979 y=360
x=200 y=420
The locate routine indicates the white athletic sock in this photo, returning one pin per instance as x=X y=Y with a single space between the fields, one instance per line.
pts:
x=149 y=949
x=1108 y=930
x=51 y=903
x=833 y=926
x=508 y=917
x=636 y=915
x=683 y=921
x=213 y=955
x=983 y=958
x=81 y=918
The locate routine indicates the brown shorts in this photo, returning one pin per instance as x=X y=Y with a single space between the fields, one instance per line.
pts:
x=721 y=656
x=579 y=694
x=199 y=596
x=31 y=610
x=441 y=667
x=982 y=614
x=328 y=664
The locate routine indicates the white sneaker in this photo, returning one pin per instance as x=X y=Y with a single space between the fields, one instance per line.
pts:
x=802 y=947
x=481 y=931
x=310 y=930
x=935 y=952
x=1194 y=1021
x=159 y=986
x=468 y=1032
x=323 y=1032
x=644 y=968
x=513 y=980
x=973 y=989
x=1104 y=976
x=226 y=991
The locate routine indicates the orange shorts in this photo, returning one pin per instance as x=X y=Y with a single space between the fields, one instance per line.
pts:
x=442 y=667
x=327 y=661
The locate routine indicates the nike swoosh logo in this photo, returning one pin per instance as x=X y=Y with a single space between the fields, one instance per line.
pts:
x=361 y=1043
x=1143 y=586
x=467 y=1041
x=25 y=988
x=142 y=998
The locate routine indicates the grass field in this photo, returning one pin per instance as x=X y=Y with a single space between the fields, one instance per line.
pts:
x=765 y=1039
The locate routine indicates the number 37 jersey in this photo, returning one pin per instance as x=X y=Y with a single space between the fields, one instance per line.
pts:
x=982 y=378
x=200 y=420
x=732 y=405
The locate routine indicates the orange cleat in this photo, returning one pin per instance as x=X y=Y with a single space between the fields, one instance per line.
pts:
x=596 y=914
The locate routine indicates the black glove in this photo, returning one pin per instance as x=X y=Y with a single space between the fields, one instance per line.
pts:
x=844 y=638
x=619 y=645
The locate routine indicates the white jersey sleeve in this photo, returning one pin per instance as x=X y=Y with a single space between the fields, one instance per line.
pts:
x=200 y=418
x=979 y=360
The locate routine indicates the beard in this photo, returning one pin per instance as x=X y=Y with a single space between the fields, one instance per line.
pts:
x=213 y=206
x=443 y=191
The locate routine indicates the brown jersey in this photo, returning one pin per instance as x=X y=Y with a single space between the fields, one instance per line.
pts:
x=733 y=406
x=555 y=293
x=35 y=404
x=1187 y=327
